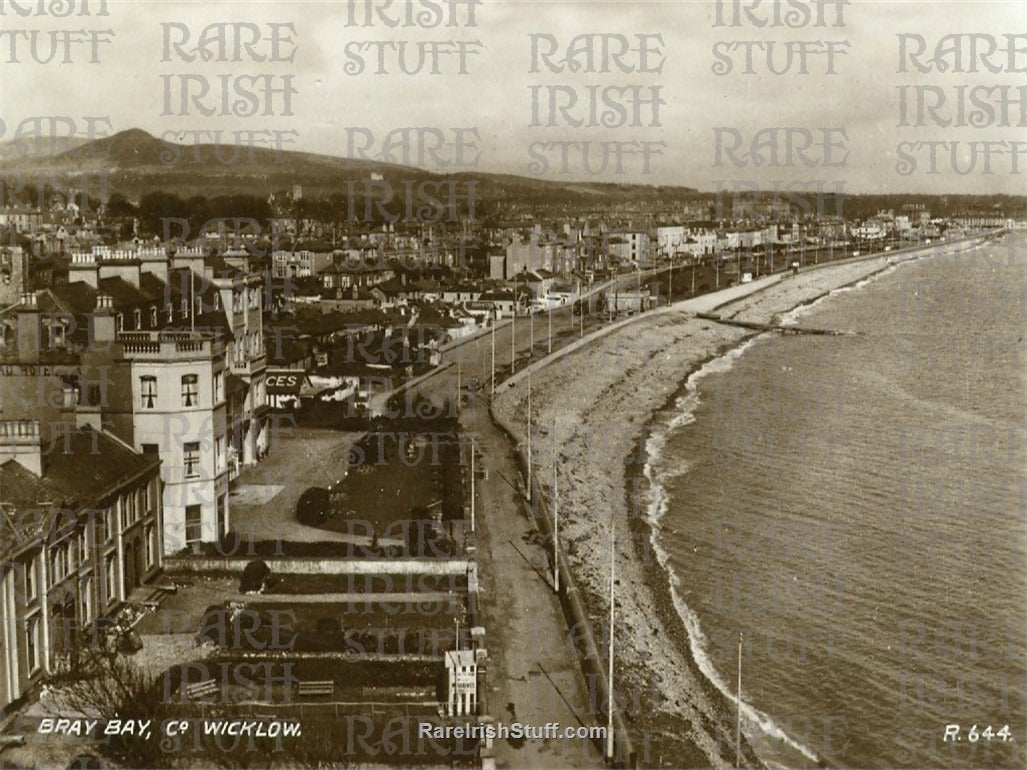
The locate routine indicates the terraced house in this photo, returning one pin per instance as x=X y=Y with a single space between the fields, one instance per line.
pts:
x=80 y=531
x=163 y=351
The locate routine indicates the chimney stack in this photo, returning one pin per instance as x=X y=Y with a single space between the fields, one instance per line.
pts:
x=83 y=267
x=30 y=328
x=102 y=324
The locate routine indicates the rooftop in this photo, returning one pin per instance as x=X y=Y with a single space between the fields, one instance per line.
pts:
x=80 y=468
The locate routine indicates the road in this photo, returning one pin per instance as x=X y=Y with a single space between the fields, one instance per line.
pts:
x=533 y=677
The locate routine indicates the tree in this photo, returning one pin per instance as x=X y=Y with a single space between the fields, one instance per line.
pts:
x=113 y=687
x=118 y=206
x=254 y=575
x=156 y=208
x=313 y=506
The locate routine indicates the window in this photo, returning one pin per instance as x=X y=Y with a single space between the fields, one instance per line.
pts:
x=60 y=561
x=119 y=322
x=148 y=389
x=31 y=592
x=94 y=396
x=193 y=524
x=219 y=387
x=129 y=507
x=171 y=313
x=56 y=335
x=151 y=545
x=137 y=318
x=109 y=580
x=100 y=528
x=192 y=459
x=147 y=502
x=149 y=449
x=190 y=390
x=32 y=642
x=85 y=599
x=83 y=546
x=153 y=317
x=185 y=308
x=222 y=522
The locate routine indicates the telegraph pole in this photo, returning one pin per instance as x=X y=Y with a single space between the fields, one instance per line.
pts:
x=513 y=331
x=738 y=708
x=531 y=334
x=609 y=681
x=556 y=516
x=494 y=356
x=550 y=327
x=529 y=433
x=472 y=483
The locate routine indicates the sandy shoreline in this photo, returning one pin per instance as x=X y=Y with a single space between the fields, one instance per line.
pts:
x=601 y=403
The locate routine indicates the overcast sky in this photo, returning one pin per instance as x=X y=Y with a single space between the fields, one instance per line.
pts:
x=495 y=96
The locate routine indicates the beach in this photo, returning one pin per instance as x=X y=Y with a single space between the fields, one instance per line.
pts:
x=593 y=410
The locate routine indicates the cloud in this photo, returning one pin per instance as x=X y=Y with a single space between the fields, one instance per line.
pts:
x=136 y=87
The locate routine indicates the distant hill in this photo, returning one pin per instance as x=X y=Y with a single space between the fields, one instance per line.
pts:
x=36 y=147
x=137 y=163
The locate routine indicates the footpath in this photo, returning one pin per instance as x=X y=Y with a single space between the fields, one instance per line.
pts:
x=534 y=676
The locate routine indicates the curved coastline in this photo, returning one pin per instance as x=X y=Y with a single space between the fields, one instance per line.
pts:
x=658 y=350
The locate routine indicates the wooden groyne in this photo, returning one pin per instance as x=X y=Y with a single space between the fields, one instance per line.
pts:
x=772 y=327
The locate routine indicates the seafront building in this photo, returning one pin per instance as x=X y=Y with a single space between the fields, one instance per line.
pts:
x=165 y=352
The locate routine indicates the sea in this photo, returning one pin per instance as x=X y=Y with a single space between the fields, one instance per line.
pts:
x=846 y=517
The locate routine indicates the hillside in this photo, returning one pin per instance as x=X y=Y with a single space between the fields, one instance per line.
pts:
x=137 y=163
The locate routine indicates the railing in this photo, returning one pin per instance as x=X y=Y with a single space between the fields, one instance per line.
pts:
x=141 y=346
x=19 y=428
x=250 y=365
x=170 y=343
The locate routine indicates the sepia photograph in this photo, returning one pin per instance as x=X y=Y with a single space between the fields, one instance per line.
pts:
x=501 y=384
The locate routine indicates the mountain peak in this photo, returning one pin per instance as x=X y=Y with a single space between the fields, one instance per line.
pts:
x=132 y=147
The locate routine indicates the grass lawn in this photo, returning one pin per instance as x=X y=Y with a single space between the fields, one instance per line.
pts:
x=402 y=476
